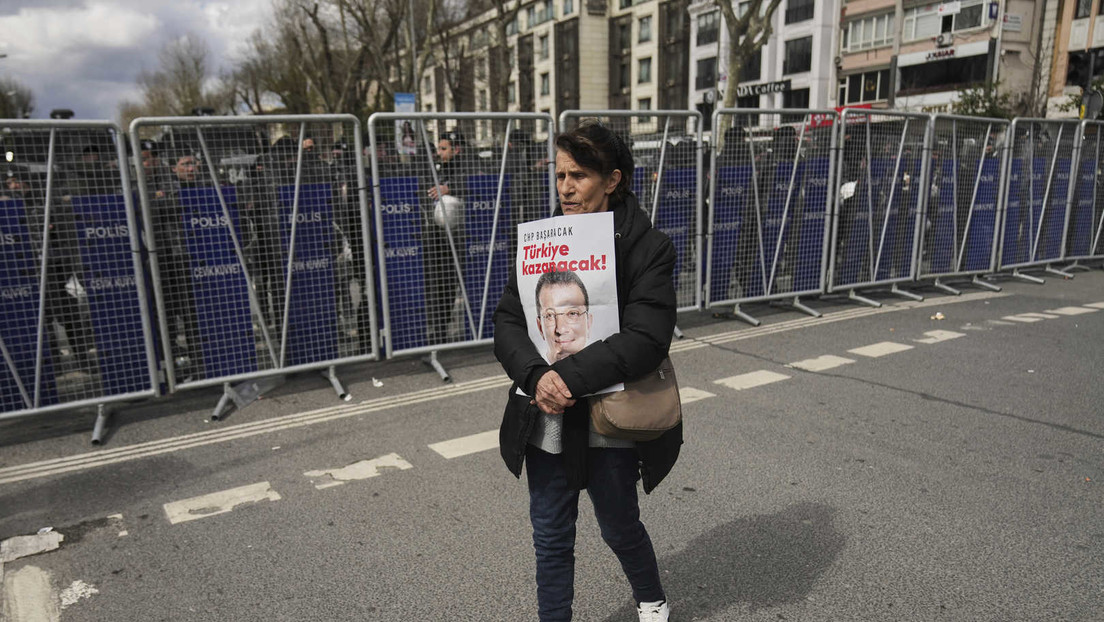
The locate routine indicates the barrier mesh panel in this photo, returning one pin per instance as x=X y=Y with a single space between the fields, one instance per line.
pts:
x=259 y=255
x=1087 y=209
x=72 y=326
x=1041 y=162
x=665 y=182
x=880 y=197
x=770 y=205
x=451 y=193
x=960 y=223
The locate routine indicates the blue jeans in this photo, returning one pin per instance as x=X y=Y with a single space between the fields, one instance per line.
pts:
x=553 y=509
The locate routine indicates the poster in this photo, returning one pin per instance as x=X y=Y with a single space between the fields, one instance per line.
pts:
x=567 y=280
x=405 y=142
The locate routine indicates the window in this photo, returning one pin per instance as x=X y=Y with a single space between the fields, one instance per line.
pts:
x=799 y=10
x=925 y=22
x=624 y=35
x=868 y=32
x=624 y=79
x=753 y=68
x=1077 y=73
x=747 y=101
x=864 y=87
x=480 y=70
x=644 y=71
x=706 y=76
x=543 y=47
x=799 y=55
x=546 y=85
x=644 y=103
x=540 y=13
x=511 y=93
x=427 y=85
x=644 y=29
x=708 y=27
x=482 y=99
x=568 y=7
x=624 y=4
x=1084 y=9
x=797 y=98
x=943 y=75
x=512 y=27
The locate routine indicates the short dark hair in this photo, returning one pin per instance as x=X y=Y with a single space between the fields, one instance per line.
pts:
x=566 y=277
x=594 y=146
x=150 y=146
x=454 y=137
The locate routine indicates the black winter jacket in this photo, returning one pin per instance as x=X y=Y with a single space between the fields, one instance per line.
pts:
x=646 y=300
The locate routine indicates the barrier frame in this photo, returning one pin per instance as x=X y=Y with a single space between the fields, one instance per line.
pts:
x=243 y=396
x=423 y=136
x=1096 y=248
x=960 y=252
x=101 y=403
x=808 y=115
x=1033 y=262
x=699 y=200
x=921 y=209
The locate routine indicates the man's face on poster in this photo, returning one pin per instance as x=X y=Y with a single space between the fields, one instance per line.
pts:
x=565 y=320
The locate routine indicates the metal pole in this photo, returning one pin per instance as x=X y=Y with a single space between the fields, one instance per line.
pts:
x=659 y=171
x=291 y=245
x=494 y=228
x=758 y=215
x=785 y=211
x=973 y=200
x=1046 y=195
x=889 y=201
x=42 y=270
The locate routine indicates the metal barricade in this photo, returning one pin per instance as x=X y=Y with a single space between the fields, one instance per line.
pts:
x=884 y=161
x=76 y=329
x=1042 y=157
x=1086 y=220
x=960 y=225
x=449 y=189
x=258 y=242
x=667 y=149
x=768 y=224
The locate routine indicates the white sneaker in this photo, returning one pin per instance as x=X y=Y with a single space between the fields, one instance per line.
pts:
x=653 y=612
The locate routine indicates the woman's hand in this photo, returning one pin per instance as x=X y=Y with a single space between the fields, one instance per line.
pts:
x=552 y=395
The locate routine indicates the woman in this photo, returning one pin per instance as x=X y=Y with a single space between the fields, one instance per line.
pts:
x=551 y=431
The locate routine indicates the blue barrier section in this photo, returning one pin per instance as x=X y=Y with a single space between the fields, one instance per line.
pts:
x=776 y=220
x=1083 y=214
x=1014 y=249
x=1054 y=218
x=478 y=221
x=813 y=174
x=219 y=287
x=983 y=219
x=312 y=315
x=855 y=232
x=675 y=215
x=403 y=256
x=897 y=242
x=19 y=293
x=103 y=237
x=732 y=197
x=941 y=218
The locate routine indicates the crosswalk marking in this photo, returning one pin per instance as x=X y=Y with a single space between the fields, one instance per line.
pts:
x=935 y=336
x=218 y=502
x=1072 y=310
x=1044 y=316
x=1000 y=322
x=883 y=348
x=1096 y=305
x=754 y=379
x=359 y=470
x=466 y=445
x=821 y=363
x=690 y=394
x=1026 y=319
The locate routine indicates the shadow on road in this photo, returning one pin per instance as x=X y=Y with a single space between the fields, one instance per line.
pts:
x=758 y=561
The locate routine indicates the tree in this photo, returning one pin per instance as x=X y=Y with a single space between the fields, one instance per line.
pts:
x=16 y=100
x=749 y=27
x=181 y=83
x=1074 y=101
x=984 y=100
x=500 y=54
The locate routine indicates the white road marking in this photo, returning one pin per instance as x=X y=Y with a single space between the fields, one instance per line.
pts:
x=359 y=470
x=1000 y=323
x=935 y=336
x=1096 y=305
x=1072 y=311
x=821 y=363
x=881 y=348
x=752 y=380
x=28 y=596
x=690 y=394
x=218 y=502
x=467 y=444
x=1026 y=319
x=1044 y=316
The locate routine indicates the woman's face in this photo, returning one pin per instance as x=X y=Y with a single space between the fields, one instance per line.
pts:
x=582 y=190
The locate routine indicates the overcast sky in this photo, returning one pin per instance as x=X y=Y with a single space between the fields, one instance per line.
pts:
x=85 y=54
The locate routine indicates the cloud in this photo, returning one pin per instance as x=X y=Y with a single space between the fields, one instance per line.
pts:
x=86 y=54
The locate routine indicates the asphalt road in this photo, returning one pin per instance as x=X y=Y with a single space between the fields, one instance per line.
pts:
x=872 y=464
